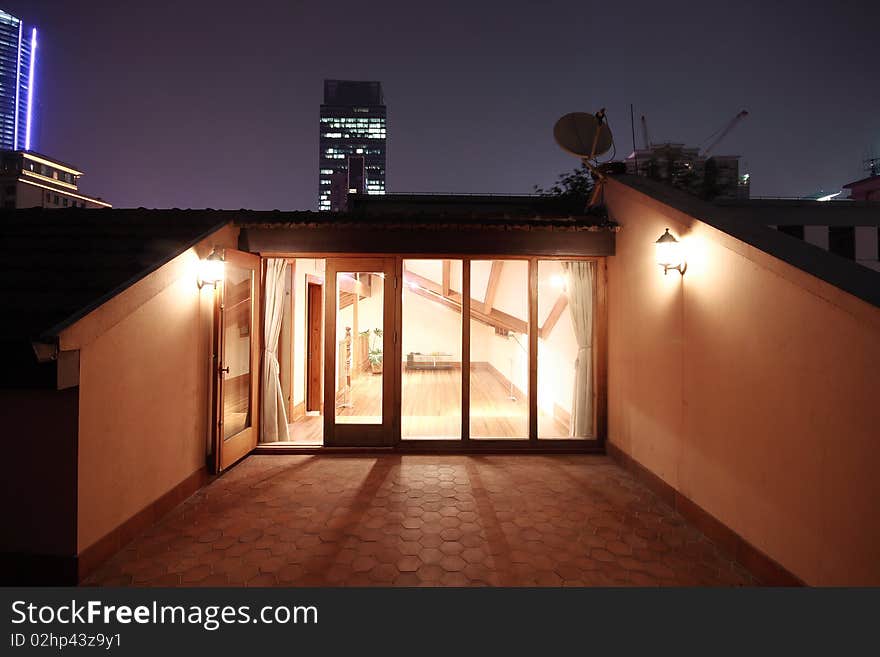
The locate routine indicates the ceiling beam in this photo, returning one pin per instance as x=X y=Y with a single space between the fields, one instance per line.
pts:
x=431 y=290
x=492 y=285
x=555 y=313
x=351 y=284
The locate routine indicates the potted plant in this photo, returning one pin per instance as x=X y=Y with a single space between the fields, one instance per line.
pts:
x=375 y=353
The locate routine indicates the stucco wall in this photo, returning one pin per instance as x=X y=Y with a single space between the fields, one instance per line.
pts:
x=750 y=387
x=144 y=393
x=28 y=196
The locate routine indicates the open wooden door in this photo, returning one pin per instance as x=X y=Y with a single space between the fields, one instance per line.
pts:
x=237 y=339
x=360 y=352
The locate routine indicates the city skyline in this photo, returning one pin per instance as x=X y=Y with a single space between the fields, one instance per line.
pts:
x=471 y=114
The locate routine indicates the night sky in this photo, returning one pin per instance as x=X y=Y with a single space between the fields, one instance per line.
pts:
x=215 y=103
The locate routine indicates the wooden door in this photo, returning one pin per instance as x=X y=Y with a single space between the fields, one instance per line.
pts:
x=359 y=397
x=315 y=347
x=237 y=339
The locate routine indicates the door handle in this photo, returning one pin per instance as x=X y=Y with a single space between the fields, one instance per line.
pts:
x=224 y=369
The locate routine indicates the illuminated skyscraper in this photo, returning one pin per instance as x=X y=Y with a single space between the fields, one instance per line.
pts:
x=18 y=52
x=352 y=142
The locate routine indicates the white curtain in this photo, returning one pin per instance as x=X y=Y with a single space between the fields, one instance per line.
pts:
x=580 y=301
x=274 y=416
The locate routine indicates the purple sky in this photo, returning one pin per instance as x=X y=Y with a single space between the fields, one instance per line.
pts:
x=212 y=103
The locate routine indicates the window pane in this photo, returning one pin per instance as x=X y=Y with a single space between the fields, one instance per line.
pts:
x=565 y=349
x=360 y=347
x=431 y=381
x=236 y=350
x=499 y=403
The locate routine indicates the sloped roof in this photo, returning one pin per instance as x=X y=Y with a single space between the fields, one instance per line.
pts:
x=803 y=212
x=474 y=206
x=863 y=180
x=440 y=211
x=749 y=222
x=59 y=264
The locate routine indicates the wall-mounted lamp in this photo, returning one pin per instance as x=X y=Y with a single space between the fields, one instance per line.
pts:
x=669 y=253
x=211 y=269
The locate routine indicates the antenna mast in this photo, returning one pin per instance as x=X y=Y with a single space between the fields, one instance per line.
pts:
x=645 y=140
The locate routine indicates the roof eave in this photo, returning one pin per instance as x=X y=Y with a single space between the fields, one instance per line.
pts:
x=51 y=334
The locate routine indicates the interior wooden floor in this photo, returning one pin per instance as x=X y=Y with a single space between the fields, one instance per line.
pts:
x=306 y=430
x=431 y=404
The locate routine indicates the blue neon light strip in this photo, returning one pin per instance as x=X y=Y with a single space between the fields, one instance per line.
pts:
x=17 y=88
x=30 y=104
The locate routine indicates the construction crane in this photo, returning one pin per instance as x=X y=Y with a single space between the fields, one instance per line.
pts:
x=722 y=133
x=645 y=140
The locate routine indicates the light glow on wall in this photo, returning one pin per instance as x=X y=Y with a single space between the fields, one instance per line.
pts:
x=30 y=102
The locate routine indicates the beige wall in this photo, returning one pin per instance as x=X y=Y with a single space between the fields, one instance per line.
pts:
x=430 y=327
x=751 y=388
x=30 y=196
x=144 y=392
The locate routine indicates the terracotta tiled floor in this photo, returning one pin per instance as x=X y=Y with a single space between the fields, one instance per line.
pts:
x=416 y=520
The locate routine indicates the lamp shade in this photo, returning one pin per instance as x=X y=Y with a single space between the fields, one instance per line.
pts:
x=668 y=250
x=211 y=269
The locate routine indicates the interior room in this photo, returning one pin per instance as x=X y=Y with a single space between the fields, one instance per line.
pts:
x=359 y=344
x=498 y=344
x=299 y=353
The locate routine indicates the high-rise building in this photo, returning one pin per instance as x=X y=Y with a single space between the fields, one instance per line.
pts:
x=18 y=52
x=352 y=142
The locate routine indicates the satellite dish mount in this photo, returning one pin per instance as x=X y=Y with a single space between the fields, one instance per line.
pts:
x=586 y=136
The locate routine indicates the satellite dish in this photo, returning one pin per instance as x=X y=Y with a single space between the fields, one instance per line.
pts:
x=582 y=134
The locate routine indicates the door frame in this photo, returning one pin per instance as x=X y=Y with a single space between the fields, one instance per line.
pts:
x=385 y=433
x=226 y=452
x=310 y=281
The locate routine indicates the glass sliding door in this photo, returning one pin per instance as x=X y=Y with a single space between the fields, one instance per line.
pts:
x=499 y=349
x=566 y=304
x=431 y=349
